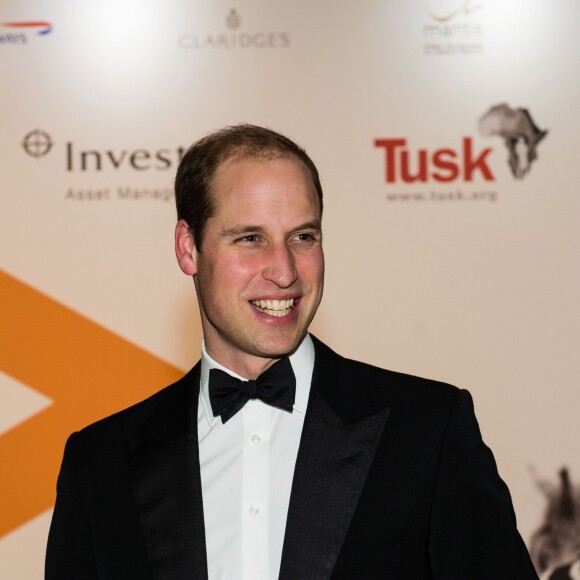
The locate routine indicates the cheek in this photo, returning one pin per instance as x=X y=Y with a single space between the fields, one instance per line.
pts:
x=236 y=272
x=311 y=266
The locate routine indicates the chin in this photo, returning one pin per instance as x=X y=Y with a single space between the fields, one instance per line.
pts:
x=277 y=348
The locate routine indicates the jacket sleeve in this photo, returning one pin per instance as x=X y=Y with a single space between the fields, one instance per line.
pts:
x=69 y=553
x=473 y=526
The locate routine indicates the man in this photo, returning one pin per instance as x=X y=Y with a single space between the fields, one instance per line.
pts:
x=275 y=457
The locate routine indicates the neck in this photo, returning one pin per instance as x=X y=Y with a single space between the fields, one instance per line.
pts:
x=248 y=366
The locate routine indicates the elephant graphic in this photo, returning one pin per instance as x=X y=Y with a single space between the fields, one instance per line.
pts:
x=517 y=127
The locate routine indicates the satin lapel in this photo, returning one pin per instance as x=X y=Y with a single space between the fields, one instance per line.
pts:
x=331 y=468
x=164 y=465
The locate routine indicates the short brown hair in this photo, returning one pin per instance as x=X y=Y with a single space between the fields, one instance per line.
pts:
x=193 y=182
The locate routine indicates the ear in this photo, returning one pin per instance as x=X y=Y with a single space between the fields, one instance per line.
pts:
x=185 y=249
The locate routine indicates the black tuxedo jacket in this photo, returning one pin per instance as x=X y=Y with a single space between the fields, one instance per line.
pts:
x=392 y=481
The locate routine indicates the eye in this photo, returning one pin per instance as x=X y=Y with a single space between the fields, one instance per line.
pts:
x=305 y=237
x=249 y=239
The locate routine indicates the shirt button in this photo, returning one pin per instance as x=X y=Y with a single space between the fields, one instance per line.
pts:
x=254 y=511
x=256 y=439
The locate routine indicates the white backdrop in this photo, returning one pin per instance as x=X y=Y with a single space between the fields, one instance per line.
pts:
x=473 y=281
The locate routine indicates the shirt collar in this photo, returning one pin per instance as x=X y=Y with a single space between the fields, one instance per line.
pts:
x=302 y=361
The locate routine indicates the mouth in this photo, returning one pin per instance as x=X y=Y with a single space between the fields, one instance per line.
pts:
x=277 y=308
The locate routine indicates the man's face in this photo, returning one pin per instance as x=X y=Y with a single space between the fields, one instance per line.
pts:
x=261 y=269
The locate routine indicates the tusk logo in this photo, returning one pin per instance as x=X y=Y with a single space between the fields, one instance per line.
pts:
x=37 y=143
x=519 y=132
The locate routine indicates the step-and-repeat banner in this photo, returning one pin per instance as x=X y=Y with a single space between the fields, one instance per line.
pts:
x=446 y=133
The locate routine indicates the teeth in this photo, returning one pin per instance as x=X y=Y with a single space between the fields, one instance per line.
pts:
x=276 y=308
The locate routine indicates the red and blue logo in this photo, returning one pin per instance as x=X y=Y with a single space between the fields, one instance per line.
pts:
x=40 y=27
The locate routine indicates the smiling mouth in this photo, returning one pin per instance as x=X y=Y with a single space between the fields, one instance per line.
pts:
x=276 y=308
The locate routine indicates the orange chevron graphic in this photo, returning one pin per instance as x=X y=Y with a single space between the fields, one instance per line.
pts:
x=87 y=371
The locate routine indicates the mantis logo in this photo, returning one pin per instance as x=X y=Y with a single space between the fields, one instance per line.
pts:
x=445 y=10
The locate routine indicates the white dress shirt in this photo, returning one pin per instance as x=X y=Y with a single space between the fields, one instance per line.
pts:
x=247 y=466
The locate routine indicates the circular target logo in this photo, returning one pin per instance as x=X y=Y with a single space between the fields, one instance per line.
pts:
x=37 y=143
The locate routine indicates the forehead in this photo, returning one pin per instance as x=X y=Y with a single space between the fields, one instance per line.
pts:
x=264 y=186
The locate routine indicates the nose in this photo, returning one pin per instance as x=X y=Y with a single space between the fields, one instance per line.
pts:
x=280 y=267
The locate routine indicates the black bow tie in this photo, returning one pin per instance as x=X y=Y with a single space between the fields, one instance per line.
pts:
x=276 y=386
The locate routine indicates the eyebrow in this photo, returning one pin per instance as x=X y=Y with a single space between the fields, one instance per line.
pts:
x=241 y=231
x=245 y=230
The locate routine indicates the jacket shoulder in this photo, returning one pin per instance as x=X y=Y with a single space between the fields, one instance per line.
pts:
x=380 y=387
x=130 y=419
x=401 y=384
